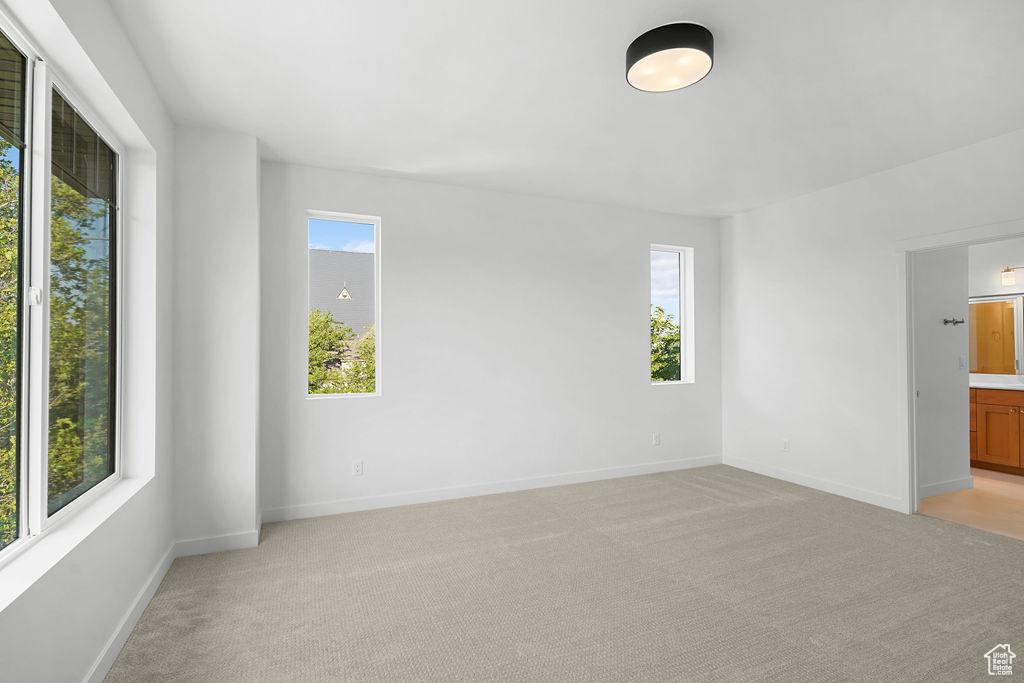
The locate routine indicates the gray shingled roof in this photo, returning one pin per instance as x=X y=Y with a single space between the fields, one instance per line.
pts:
x=330 y=272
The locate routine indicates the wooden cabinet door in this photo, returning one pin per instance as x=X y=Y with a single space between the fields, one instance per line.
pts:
x=999 y=434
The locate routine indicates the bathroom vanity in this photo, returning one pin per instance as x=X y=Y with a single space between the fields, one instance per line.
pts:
x=997 y=423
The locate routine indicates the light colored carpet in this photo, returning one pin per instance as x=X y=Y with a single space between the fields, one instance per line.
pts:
x=704 y=574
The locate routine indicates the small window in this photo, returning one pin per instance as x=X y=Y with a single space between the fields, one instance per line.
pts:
x=671 y=314
x=343 y=304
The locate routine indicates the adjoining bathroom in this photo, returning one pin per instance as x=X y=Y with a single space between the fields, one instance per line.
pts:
x=993 y=496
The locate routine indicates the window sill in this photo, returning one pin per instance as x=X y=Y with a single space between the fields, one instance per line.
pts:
x=673 y=382
x=28 y=559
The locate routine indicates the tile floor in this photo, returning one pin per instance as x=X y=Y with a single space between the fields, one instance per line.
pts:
x=996 y=503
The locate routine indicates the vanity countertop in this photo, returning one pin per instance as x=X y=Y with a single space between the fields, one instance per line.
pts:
x=996 y=384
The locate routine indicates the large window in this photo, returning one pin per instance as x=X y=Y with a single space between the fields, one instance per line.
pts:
x=82 y=324
x=671 y=314
x=58 y=304
x=343 y=304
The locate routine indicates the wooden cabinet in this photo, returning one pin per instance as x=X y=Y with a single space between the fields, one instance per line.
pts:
x=999 y=435
x=997 y=425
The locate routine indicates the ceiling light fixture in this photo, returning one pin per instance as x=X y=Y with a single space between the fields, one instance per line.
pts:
x=670 y=57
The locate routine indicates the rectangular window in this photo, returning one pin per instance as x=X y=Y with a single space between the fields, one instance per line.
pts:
x=58 y=303
x=13 y=74
x=671 y=314
x=343 y=304
x=82 y=303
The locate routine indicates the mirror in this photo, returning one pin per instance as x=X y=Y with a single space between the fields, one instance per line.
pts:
x=994 y=336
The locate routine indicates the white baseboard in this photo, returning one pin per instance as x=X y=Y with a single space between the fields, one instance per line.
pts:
x=864 y=496
x=334 y=507
x=195 y=546
x=102 y=665
x=216 y=544
x=926 y=490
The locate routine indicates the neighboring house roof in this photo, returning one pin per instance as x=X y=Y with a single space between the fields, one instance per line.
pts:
x=332 y=271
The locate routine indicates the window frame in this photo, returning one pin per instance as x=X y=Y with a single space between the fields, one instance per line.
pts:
x=375 y=221
x=33 y=336
x=687 y=361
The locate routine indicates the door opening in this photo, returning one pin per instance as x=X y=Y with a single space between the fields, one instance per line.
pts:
x=966 y=383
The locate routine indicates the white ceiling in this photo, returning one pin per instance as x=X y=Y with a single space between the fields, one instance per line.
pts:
x=530 y=95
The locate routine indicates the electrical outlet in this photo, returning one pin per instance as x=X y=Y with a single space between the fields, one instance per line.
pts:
x=785 y=445
x=357 y=468
x=656 y=439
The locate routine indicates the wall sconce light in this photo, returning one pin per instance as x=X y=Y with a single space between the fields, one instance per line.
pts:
x=1009 y=277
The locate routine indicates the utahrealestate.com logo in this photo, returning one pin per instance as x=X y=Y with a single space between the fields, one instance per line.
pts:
x=1000 y=660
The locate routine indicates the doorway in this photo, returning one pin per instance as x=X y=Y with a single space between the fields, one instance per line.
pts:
x=966 y=382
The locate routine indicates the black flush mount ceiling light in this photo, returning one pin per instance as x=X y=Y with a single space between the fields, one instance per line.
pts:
x=670 y=57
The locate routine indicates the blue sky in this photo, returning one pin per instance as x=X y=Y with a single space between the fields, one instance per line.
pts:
x=665 y=281
x=340 y=236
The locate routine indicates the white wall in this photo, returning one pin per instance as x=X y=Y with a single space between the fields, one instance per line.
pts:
x=217 y=339
x=812 y=312
x=986 y=262
x=67 y=623
x=514 y=345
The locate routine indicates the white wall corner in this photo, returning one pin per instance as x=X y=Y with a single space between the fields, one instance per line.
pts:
x=343 y=505
x=216 y=252
x=195 y=546
x=828 y=486
x=217 y=544
x=119 y=637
